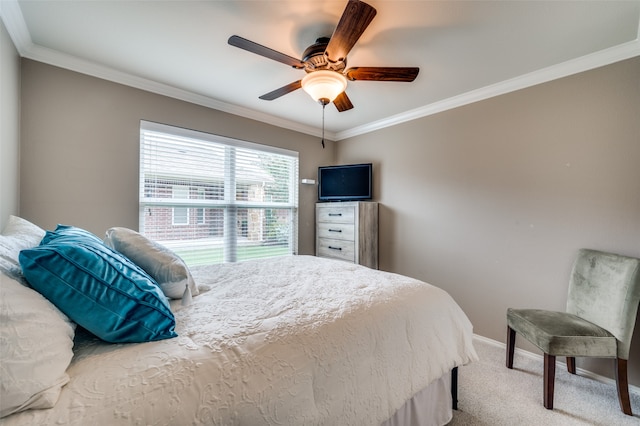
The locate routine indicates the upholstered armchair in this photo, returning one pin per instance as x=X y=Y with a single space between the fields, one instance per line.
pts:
x=604 y=291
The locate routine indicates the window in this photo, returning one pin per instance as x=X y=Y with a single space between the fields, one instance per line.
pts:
x=200 y=211
x=180 y=214
x=213 y=199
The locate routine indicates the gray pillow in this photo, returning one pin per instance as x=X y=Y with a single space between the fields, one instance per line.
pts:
x=161 y=263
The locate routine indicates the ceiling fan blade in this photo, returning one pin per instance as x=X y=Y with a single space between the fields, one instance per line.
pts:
x=282 y=91
x=342 y=102
x=261 y=50
x=407 y=74
x=354 y=20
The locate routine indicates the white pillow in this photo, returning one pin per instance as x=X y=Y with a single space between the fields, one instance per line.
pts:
x=162 y=264
x=18 y=234
x=36 y=342
x=21 y=233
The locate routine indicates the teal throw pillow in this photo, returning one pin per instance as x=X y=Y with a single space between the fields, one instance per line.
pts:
x=97 y=287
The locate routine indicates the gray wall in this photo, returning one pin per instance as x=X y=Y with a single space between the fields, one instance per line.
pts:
x=9 y=127
x=491 y=201
x=80 y=148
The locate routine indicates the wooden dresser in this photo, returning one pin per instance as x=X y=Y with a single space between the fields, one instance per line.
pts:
x=348 y=231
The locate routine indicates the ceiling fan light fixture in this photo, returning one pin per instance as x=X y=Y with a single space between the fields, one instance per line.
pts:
x=324 y=85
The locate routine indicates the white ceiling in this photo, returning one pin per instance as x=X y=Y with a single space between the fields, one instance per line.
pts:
x=466 y=50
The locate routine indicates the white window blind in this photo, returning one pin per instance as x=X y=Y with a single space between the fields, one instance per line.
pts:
x=213 y=199
x=180 y=214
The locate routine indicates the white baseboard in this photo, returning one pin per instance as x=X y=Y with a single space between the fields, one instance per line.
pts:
x=538 y=357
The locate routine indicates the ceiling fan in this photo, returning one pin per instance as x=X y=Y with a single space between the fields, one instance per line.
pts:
x=325 y=61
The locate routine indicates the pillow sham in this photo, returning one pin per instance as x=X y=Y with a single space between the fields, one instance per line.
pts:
x=98 y=288
x=161 y=263
x=17 y=235
x=36 y=342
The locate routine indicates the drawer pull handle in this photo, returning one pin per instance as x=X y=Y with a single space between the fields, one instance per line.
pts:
x=335 y=214
x=335 y=248
x=335 y=230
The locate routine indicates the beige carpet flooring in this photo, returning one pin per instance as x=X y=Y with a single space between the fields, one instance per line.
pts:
x=491 y=394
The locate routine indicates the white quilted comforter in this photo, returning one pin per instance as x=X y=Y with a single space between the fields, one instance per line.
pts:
x=289 y=341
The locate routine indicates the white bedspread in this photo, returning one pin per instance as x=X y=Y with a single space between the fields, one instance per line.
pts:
x=288 y=341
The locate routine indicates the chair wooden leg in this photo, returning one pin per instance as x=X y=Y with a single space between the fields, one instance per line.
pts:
x=571 y=364
x=549 y=379
x=623 y=386
x=511 y=345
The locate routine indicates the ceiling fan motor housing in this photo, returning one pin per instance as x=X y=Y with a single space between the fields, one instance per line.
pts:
x=315 y=59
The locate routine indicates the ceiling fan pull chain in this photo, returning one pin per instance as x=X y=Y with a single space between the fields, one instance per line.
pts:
x=323 y=107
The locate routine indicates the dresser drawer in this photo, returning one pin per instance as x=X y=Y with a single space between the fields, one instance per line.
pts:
x=338 y=231
x=337 y=214
x=338 y=249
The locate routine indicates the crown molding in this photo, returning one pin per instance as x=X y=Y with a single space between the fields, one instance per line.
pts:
x=595 y=60
x=16 y=27
x=82 y=66
x=72 y=63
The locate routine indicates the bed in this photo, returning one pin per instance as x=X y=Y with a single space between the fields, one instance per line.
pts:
x=294 y=340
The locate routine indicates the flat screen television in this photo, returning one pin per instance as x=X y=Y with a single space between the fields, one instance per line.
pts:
x=349 y=182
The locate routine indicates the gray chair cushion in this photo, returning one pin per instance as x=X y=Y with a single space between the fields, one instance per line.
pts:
x=562 y=334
